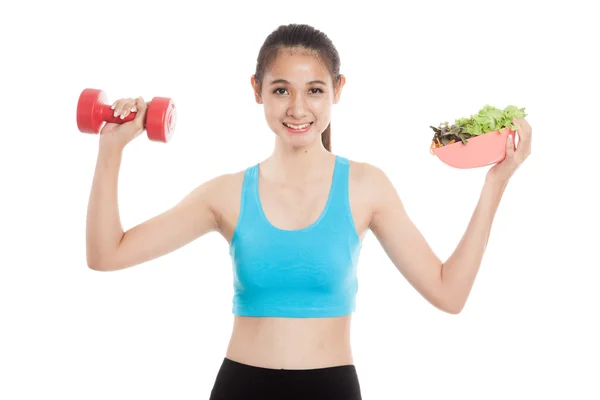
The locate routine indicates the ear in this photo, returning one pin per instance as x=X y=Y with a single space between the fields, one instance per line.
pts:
x=256 y=90
x=338 y=89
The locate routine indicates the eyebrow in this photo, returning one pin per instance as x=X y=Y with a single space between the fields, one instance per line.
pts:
x=283 y=81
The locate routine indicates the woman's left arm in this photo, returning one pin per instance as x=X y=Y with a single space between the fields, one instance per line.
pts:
x=445 y=285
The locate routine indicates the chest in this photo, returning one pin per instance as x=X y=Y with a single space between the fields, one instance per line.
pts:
x=293 y=207
x=296 y=207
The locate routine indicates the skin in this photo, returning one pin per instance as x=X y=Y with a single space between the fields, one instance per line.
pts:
x=294 y=183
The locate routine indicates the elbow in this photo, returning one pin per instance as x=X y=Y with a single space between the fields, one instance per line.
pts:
x=448 y=307
x=98 y=264
x=101 y=260
x=453 y=310
x=444 y=304
x=100 y=257
x=93 y=261
x=451 y=302
x=453 y=305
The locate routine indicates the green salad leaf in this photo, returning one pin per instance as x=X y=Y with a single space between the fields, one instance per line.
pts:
x=488 y=119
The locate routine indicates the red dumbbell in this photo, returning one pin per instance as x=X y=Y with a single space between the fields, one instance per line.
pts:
x=93 y=110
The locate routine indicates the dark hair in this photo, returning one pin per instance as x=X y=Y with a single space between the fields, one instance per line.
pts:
x=305 y=37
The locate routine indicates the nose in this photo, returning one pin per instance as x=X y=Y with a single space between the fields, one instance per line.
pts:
x=298 y=107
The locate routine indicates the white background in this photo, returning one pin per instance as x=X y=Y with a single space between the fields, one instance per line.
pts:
x=160 y=330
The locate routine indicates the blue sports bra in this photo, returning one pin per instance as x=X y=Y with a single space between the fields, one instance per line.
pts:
x=304 y=273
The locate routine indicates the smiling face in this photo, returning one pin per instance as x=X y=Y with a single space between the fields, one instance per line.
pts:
x=298 y=93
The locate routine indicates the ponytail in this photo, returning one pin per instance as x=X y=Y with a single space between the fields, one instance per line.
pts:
x=326 y=137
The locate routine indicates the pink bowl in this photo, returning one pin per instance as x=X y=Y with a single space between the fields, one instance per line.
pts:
x=479 y=151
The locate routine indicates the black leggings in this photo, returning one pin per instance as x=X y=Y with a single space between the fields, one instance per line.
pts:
x=237 y=381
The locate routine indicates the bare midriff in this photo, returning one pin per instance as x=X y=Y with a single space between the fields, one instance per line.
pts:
x=291 y=343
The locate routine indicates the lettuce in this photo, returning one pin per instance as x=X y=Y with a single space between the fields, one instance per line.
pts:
x=488 y=119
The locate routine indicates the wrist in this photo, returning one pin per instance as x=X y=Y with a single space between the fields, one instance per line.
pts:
x=494 y=180
x=495 y=185
x=110 y=153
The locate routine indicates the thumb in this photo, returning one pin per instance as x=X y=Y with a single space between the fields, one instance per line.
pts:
x=140 y=116
x=510 y=146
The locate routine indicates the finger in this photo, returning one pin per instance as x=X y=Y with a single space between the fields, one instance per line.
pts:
x=524 y=133
x=510 y=146
x=140 y=104
x=518 y=130
x=123 y=107
x=525 y=128
x=141 y=107
x=128 y=108
x=119 y=106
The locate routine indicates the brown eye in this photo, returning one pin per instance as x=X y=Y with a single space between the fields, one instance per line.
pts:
x=319 y=90
x=276 y=91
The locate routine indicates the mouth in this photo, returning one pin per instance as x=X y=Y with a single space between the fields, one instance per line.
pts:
x=298 y=128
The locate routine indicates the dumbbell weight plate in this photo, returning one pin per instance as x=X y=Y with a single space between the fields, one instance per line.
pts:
x=161 y=119
x=89 y=116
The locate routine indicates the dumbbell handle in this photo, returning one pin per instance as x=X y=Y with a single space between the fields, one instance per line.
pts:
x=107 y=115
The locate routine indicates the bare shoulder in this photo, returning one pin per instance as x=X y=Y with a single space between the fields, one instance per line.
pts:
x=368 y=186
x=369 y=177
x=223 y=187
x=227 y=181
x=225 y=199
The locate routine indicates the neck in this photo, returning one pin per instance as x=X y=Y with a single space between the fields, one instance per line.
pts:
x=298 y=164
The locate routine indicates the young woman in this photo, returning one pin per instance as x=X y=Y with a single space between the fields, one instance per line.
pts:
x=295 y=223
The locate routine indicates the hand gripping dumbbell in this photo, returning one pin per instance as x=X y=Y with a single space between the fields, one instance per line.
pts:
x=93 y=110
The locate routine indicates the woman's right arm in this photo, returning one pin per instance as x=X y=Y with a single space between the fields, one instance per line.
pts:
x=108 y=247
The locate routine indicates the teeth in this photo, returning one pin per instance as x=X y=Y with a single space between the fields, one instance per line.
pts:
x=297 y=126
